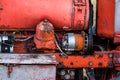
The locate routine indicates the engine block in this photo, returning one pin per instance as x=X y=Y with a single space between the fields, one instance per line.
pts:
x=59 y=40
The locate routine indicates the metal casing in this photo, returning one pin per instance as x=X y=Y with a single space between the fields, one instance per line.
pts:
x=26 y=14
x=27 y=67
x=105 y=18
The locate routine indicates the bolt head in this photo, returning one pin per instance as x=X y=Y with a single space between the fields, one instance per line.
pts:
x=90 y=63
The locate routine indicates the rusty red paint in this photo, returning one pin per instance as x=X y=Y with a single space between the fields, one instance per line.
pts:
x=28 y=13
x=106 y=59
x=105 y=18
x=98 y=60
x=44 y=37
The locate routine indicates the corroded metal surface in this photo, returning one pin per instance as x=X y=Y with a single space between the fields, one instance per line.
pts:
x=98 y=60
x=28 y=72
x=105 y=19
x=72 y=14
x=27 y=59
x=44 y=37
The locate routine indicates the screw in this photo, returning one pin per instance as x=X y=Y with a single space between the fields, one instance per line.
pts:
x=45 y=21
x=90 y=63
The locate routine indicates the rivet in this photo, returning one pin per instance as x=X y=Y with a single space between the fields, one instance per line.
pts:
x=90 y=63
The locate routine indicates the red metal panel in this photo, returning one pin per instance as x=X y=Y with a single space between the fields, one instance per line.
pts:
x=105 y=18
x=98 y=60
x=26 y=14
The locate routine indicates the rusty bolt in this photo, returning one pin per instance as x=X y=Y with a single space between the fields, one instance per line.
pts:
x=90 y=63
x=45 y=21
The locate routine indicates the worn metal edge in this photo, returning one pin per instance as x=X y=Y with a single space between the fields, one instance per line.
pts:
x=27 y=58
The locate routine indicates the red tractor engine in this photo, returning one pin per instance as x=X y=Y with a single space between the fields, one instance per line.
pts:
x=59 y=40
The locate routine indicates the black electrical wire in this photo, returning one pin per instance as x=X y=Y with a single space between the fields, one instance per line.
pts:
x=23 y=40
x=63 y=53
